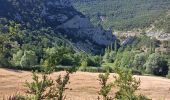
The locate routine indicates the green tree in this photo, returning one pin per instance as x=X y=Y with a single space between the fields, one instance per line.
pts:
x=109 y=56
x=156 y=65
x=17 y=58
x=60 y=55
x=115 y=46
x=139 y=61
x=127 y=59
x=106 y=57
x=29 y=59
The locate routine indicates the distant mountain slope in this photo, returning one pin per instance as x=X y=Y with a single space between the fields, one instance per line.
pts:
x=61 y=16
x=123 y=14
x=164 y=22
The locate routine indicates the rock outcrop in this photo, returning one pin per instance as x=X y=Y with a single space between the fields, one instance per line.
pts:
x=62 y=17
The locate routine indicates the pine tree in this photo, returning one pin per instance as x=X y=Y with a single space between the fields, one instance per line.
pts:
x=115 y=46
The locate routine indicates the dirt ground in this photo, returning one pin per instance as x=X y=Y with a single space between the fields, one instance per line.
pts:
x=84 y=85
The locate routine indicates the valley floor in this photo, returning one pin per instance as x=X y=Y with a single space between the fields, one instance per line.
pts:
x=84 y=85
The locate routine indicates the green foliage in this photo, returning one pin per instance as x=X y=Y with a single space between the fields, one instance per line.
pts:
x=139 y=61
x=127 y=59
x=125 y=14
x=156 y=65
x=105 y=87
x=168 y=75
x=29 y=59
x=164 y=23
x=4 y=62
x=83 y=64
x=109 y=56
x=61 y=85
x=17 y=58
x=144 y=42
x=60 y=55
x=43 y=49
x=46 y=88
x=38 y=88
x=127 y=85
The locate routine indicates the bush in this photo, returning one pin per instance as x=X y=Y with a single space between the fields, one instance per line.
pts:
x=105 y=87
x=46 y=88
x=38 y=88
x=127 y=86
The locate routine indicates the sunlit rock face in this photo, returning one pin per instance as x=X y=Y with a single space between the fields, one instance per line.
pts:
x=62 y=17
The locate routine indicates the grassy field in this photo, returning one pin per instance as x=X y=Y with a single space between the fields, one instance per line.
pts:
x=83 y=86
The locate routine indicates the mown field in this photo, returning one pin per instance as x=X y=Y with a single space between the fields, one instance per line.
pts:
x=83 y=85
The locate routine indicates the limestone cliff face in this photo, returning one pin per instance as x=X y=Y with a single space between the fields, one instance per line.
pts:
x=62 y=17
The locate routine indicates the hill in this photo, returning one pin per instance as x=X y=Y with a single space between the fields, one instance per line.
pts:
x=125 y=14
x=61 y=17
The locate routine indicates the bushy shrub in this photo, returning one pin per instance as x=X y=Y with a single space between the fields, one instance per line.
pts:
x=127 y=86
x=61 y=85
x=46 y=88
x=38 y=88
x=105 y=86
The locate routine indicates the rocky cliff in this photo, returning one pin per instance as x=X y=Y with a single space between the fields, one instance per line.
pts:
x=61 y=16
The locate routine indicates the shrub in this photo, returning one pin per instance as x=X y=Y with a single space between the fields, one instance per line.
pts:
x=127 y=86
x=38 y=88
x=61 y=85
x=105 y=87
x=46 y=88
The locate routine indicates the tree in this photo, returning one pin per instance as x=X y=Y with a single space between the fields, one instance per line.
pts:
x=60 y=55
x=115 y=46
x=109 y=56
x=127 y=59
x=83 y=64
x=17 y=58
x=139 y=61
x=4 y=51
x=156 y=65
x=29 y=59
x=106 y=57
